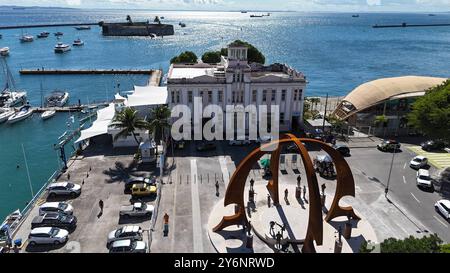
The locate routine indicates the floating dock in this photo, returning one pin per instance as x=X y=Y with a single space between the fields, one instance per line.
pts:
x=49 y=25
x=83 y=71
x=411 y=25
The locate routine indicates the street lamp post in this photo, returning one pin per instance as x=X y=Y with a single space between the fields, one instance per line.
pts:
x=386 y=191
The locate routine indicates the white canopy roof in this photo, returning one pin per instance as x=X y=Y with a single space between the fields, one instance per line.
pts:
x=100 y=126
x=147 y=95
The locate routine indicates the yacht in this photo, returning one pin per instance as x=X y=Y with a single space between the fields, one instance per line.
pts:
x=26 y=38
x=78 y=42
x=61 y=48
x=83 y=28
x=43 y=34
x=355 y=15
x=59 y=33
x=4 y=51
x=5 y=113
x=57 y=99
x=11 y=97
x=48 y=114
x=23 y=113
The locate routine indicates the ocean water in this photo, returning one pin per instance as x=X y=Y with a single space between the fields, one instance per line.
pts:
x=335 y=51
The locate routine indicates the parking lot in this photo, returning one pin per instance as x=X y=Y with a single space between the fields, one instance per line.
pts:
x=102 y=173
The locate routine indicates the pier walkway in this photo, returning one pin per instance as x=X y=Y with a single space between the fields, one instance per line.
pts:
x=39 y=71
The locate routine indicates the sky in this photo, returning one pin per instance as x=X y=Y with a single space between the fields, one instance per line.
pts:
x=266 y=5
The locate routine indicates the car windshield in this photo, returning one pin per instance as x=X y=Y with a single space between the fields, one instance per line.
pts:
x=424 y=177
x=70 y=185
x=53 y=232
x=133 y=245
x=118 y=232
x=62 y=217
x=62 y=206
x=445 y=207
x=417 y=160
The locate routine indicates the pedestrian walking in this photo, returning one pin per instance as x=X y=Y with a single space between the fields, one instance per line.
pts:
x=166 y=224
x=304 y=192
x=100 y=204
x=323 y=188
x=299 y=179
x=252 y=182
x=68 y=176
x=217 y=187
x=286 y=192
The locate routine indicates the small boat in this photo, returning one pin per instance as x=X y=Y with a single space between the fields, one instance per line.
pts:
x=78 y=42
x=431 y=14
x=4 y=51
x=162 y=18
x=5 y=113
x=26 y=38
x=57 y=99
x=355 y=15
x=256 y=16
x=11 y=98
x=182 y=24
x=61 y=48
x=48 y=114
x=59 y=33
x=23 y=113
x=83 y=28
x=43 y=34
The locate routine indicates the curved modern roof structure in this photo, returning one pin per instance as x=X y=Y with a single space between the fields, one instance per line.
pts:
x=377 y=91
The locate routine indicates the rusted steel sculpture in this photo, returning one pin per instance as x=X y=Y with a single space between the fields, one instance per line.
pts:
x=345 y=186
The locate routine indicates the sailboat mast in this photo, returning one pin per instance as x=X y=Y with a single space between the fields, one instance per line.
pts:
x=28 y=172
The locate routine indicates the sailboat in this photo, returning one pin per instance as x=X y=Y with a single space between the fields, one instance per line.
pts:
x=46 y=114
x=23 y=113
x=11 y=97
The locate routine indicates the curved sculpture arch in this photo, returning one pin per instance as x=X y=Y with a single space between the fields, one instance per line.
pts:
x=345 y=186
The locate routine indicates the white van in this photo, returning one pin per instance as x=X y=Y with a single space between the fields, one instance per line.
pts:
x=424 y=179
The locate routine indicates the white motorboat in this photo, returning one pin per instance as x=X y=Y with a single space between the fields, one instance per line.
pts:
x=61 y=48
x=4 y=51
x=57 y=99
x=5 y=113
x=26 y=38
x=48 y=114
x=43 y=34
x=83 y=28
x=10 y=96
x=78 y=42
x=23 y=113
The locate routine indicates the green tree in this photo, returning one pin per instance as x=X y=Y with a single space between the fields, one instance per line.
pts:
x=159 y=121
x=128 y=121
x=381 y=120
x=185 y=57
x=211 y=57
x=427 y=244
x=431 y=113
x=253 y=54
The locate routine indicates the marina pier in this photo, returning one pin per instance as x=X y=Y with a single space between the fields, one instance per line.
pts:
x=40 y=71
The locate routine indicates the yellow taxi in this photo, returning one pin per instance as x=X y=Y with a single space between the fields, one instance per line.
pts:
x=143 y=189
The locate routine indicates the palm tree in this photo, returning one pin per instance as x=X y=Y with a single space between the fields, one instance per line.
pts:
x=128 y=121
x=159 y=121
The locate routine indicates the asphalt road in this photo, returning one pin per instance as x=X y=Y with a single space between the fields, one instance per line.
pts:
x=403 y=190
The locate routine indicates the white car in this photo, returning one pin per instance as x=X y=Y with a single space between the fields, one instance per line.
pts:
x=63 y=188
x=128 y=246
x=424 y=179
x=133 y=233
x=56 y=207
x=418 y=162
x=443 y=206
x=137 y=210
x=48 y=235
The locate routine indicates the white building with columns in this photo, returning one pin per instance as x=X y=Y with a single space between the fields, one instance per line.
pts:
x=235 y=81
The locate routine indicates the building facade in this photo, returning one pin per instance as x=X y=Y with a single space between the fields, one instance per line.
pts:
x=235 y=81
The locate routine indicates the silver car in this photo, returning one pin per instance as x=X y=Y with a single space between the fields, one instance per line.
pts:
x=63 y=188
x=48 y=235
x=128 y=246
x=133 y=233
x=443 y=206
x=56 y=207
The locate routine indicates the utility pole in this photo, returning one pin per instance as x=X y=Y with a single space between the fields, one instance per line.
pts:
x=325 y=114
x=395 y=151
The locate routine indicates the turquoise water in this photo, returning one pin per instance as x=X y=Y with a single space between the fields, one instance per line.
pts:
x=335 y=51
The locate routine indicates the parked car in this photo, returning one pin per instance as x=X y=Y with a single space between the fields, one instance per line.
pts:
x=63 y=188
x=137 y=210
x=389 y=145
x=206 y=146
x=343 y=149
x=443 y=206
x=142 y=189
x=137 y=180
x=128 y=246
x=418 y=162
x=48 y=235
x=241 y=142
x=424 y=179
x=56 y=207
x=133 y=233
x=55 y=219
x=433 y=145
